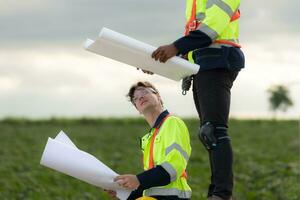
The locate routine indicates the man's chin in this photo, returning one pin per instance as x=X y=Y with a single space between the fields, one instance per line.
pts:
x=146 y=107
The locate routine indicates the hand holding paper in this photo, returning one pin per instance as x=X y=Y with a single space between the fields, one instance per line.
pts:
x=129 y=181
x=163 y=53
x=127 y=50
x=62 y=155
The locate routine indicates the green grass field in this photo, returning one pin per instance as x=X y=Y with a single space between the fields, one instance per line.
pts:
x=266 y=154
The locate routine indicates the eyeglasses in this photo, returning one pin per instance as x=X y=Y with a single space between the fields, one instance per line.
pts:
x=143 y=92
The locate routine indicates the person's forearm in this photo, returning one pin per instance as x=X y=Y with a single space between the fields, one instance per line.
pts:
x=195 y=40
x=135 y=194
x=156 y=176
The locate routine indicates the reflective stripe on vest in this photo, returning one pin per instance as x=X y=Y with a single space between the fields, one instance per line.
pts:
x=151 y=160
x=168 y=192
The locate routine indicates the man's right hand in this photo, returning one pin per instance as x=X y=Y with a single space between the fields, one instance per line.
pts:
x=146 y=71
x=164 y=53
x=185 y=56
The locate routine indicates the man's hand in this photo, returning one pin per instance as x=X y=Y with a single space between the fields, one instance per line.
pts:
x=112 y=194
x=146 y=71
x=128 y=181
x=163 y=53
x=185 y=56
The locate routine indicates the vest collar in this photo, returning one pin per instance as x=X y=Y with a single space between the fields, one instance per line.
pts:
x=160 y=118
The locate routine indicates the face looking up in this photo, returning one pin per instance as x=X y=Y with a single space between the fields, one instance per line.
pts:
x=145 y=98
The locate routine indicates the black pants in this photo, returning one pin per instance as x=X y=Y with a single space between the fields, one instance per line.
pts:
x=211 y=90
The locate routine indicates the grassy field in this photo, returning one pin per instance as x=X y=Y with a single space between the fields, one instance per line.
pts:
x=266 y=154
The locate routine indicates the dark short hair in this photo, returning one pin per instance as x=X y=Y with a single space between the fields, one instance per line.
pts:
x=144 y=84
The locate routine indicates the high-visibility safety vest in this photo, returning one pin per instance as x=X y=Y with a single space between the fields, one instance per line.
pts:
x=219 y=19
x=168 y=145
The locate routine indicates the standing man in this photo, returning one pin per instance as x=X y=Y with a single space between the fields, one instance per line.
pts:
x=166 y=150
x=211 y=40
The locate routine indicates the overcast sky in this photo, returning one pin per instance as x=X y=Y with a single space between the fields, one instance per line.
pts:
x=45 y=72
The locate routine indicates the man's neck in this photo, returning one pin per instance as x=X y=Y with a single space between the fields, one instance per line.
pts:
x=152 y=115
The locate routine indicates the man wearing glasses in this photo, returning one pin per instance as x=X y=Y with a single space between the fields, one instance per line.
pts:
x=166 y=150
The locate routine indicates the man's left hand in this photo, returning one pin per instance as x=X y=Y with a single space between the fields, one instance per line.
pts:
x=128 y=181
x=163 y=53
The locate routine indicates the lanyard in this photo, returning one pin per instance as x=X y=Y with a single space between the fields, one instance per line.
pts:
x=151 y=162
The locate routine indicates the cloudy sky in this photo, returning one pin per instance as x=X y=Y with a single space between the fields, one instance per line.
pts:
x=45 y=72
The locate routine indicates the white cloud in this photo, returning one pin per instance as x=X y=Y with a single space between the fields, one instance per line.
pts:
x=44 y=71
x=8 y=84
x=73 y=82
x=267 y=64
x=67 y=82
x=12 y=7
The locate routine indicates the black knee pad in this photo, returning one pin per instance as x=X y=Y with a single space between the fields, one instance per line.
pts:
x=207 y=135
x=210 y=135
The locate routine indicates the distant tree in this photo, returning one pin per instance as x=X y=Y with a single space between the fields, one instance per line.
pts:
x=279 y=98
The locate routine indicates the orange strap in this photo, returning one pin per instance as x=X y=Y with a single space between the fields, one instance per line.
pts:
x=192 y=24
x=236 y=15
x=184 y=174
x=193 y=16
x=151 y=162
x=228 y=43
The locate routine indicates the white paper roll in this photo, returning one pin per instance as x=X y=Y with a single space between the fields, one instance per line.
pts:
x=62 y=155
x=135 y=53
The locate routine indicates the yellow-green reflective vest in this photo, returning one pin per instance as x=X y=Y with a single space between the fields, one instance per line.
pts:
x=215 y=17
x=171 y=150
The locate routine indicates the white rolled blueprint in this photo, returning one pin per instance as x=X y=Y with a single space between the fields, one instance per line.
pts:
x=62 y=155
x=135 y=53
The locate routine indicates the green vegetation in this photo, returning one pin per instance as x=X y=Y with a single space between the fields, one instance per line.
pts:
x=266 y=157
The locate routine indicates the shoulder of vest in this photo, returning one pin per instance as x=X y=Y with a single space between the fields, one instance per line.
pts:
x=173 y=118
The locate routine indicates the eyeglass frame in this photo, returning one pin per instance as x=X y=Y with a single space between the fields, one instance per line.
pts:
x=147 y=90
